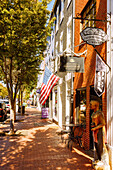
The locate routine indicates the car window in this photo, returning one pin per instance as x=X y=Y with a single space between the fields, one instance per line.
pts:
x=7 y=102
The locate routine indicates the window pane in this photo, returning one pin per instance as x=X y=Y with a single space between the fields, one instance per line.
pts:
x=90 y=13
x=81 y=107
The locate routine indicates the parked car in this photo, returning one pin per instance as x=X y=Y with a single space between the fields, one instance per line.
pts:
x=3 y=112
x=7 y=105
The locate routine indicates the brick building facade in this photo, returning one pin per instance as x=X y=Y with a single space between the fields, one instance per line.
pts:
x=84 y=82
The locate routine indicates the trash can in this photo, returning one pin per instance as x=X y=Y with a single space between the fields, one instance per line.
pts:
x=23 y=109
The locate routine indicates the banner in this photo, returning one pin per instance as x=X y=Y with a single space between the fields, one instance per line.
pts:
x=100 y=76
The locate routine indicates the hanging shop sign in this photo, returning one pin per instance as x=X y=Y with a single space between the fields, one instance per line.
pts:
x=93 y=36
x=71 y=64
x=100 y=76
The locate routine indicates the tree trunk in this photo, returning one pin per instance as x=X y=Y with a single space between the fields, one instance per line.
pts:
x=21 y=102
x=15 y=111
x=12 y=120
x=12 y=115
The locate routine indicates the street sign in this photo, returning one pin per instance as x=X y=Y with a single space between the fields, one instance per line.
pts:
x=71 y=64
x=93 y=36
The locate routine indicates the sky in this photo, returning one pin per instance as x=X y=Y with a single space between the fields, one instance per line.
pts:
x=50 y=5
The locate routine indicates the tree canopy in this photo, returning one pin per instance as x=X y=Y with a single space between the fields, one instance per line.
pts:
x=23 y=38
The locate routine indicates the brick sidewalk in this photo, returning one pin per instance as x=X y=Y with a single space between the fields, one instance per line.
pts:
x=37 y=146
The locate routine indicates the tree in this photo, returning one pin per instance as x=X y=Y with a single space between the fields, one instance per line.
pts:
x=23 y=38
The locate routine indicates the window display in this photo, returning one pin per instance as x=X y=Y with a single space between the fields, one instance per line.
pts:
x=81 y=106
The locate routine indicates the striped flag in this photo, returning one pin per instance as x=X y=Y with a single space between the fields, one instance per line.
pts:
x=48 y=83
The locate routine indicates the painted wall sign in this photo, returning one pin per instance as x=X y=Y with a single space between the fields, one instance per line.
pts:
x=93 y=36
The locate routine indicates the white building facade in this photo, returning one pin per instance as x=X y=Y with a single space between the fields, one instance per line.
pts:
x=60 y=40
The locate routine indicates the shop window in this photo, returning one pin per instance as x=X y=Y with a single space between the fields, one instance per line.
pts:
x=81 y=106
x=93 y=93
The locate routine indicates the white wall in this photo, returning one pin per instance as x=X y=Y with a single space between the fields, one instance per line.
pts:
x=59 y=107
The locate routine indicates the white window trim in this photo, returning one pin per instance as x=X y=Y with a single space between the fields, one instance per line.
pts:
x=69 y=23
x=80 y=31
x=69 y=20
x=57 y=24
x=62 y=11
x=56 y=50
x=68 y=3
x=56 y=64
x=61 y=39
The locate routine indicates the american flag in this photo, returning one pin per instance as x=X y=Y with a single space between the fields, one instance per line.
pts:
x=48 y=83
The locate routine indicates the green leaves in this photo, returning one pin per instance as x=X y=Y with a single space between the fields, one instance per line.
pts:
x=23 y=38
x=3 y=91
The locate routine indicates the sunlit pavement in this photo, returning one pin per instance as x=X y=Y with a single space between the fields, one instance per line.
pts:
x=37 y=146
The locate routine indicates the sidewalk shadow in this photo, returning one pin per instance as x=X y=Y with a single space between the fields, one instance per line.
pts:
x=38 y=148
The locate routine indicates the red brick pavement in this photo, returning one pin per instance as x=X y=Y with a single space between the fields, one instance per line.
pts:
x=37 y=146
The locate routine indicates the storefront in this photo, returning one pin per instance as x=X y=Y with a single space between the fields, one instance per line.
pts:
x=83 y=113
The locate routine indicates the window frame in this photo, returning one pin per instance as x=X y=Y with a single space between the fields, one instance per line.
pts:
x=68 y=3
x=62 y=11
x=80 y=101
x=89 y=12
x=69 y=32
x=61 y=42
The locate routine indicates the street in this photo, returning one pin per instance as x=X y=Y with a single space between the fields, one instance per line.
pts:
x=37 y=146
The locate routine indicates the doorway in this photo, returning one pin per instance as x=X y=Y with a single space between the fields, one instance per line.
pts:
x=93 y=93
